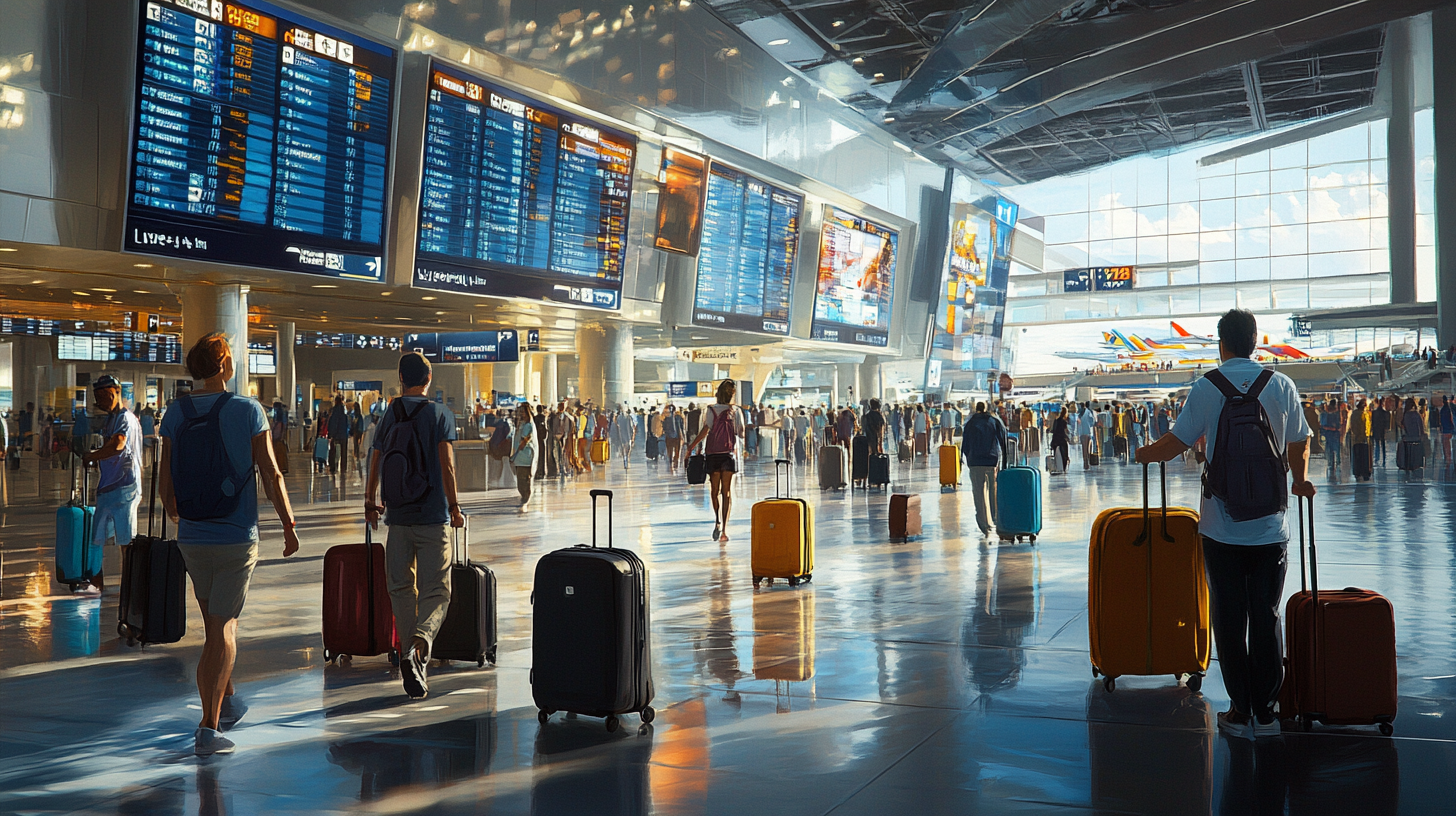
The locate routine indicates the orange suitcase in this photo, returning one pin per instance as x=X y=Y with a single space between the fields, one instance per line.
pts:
x=783 y=535
x=950 y=466
x=600 y=451
x=1147 y=597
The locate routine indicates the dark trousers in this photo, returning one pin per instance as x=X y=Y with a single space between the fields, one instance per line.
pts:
x=1378 y=441
x=1244 y=586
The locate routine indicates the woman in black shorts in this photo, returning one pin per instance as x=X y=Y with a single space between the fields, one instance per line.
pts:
x=722 y=428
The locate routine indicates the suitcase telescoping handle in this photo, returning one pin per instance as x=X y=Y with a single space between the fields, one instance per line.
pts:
x=152 y=495
x=596 y=494
x=782 y=466
x=460 y=539
x=1146 y=534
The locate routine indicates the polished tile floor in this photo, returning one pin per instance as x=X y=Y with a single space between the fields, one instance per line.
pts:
x=942 y=675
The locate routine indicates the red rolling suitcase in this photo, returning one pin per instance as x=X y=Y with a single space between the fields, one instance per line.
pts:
x=358 y=621
x=1341 y=664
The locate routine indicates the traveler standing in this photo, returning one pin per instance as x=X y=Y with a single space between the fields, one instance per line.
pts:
x=723 y=428
x=922 y=431
x=118 y=493
x=1312 y=419
x=1060 y=431
x=897 y=428
x=768 y=432
x=656 y=427
x=279 y=433
x=874 y=428
x=338 y=430
x=1242 y=520
x=983 y=445
x=211 y=446
x=524 y=451
x=694 y=417
x=412 y=470
x=1334 y=439
x=624 y=435
x=949 y=422
x=844 y=427
x=1086 y=428
x=803 y=439
x=672 y=433
x=356 y=429
x=1447 y=419
x=1360 y=459
x=1379 y=428
x=538 y=418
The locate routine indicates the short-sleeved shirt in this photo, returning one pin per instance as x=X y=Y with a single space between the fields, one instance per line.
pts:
x=435 y=425
x=241 y=420
x=735 y=416
x=1199 y=418
x=527 y=454
x=125 y=468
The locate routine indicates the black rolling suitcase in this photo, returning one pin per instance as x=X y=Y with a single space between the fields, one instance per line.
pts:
x=859 y=458
x=590 y=647
x=1361 y=465
x=879 y=470
x=468 y=632
x=153 y=603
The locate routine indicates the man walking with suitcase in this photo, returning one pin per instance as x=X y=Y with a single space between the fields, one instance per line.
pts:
x=1251 y=418
x=118 y=493
x=414 y=461
x=983 y=443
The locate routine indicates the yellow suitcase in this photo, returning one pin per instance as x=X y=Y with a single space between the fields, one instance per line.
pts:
x=601 y=450
x=950 y=466
x=783 y=535
x=783 y=636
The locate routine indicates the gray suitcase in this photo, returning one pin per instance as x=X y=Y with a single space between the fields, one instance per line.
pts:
x=833 y=468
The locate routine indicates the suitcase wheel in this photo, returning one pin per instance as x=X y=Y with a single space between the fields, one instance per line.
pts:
x=480 y=662
x=648 y=714
x=1195 y=682
x=490 y=655
x=1110 y=684
x=393 y=658
x=1306 y=723
x=543 y=716
x=1387 y=729
x=806 y=577
x=793 y=582
x=612 y=723
x=1096 y=673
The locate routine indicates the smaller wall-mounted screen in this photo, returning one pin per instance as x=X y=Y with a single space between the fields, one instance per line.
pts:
x=503 y=346
x=349 y=341
x=680 y=202
x=260 y=138
x=746 y=261
x=120 y=347
x=855 y=286
x=28 y=326
x=262 y=361
x=519 y=199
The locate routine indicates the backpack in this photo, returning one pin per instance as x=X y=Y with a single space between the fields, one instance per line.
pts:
x=403 y=475
x=206 y=484
x=984 y=441
x=720 y=436
x=1247 y=469
x=500 y=440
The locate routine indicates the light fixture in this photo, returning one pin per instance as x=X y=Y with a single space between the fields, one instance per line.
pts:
x=140 y=292
x=779 y=41
x=858 y=60
x=80 y=293
x=439 y=313
x=889 y=119
x=37 y=282
x=99 y=289
x=837 y=23
x=428 y=297
x=324 y=286
x=879 y=75
x=142 y=266
x=8 y=249
x=385 y=293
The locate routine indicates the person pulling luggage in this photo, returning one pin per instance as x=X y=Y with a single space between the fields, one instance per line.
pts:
x=1252 y=419
x=722 y=426
x=412 y=469
x=983 y=444
x=118 y=493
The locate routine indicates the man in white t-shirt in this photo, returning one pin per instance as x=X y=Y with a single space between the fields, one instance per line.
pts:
x=118 y=493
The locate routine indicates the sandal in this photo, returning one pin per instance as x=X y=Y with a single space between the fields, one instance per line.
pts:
x=717 y=531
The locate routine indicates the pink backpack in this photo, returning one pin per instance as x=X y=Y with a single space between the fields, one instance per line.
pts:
x=721 y=435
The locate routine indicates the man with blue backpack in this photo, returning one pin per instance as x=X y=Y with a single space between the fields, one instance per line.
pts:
x=983 y=444
x=412 y=468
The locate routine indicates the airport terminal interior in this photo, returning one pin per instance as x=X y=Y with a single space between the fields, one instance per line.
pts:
x=954 y=274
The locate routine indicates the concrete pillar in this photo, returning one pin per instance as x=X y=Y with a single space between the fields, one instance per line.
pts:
x=549 y=388
x=869 y=377
x=1443 y=85
x=1401 y=149
x=604 y=354
x=222 y=308
x=508 y=378
x=287 y=369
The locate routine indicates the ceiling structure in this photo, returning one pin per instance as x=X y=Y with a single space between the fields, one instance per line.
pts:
x=1015 y=91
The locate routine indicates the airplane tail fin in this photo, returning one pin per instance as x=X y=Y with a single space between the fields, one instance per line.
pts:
x=1179 y=330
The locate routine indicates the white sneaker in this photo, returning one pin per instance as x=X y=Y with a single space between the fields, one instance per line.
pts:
x=1235 y=724
x=1264 y=730
x=209 y=741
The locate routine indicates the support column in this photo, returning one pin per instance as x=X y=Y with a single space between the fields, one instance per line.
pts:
x=869 y=375
x=223 y=309
x=549 y=388
x=605 y=374
x=506 y=378
x=1401 y=149
x=287 y=372
x=1443 y=83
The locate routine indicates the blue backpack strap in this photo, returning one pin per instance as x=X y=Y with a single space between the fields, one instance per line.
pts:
x=189 y=411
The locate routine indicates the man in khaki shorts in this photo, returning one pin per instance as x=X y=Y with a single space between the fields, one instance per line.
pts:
x=414 y=460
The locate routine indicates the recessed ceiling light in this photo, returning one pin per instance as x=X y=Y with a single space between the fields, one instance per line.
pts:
x=324 y=286
x=837 y=23
x=385 y=294
x=99 y=289
x=8 y=249
x=37 y=282
x=779 y=41
x=439 y=313
x=889 y=119
x=80 y=293
x=142 y=266
x=879 y=75
x=140 y=292
x=428 y=297
x=858 y=60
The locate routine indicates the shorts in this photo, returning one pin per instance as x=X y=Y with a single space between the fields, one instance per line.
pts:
x=116 y=515
x=720 y=463
x=220 y=574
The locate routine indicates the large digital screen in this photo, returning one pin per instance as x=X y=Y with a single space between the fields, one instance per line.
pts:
x=1099 y=279
x=29 y=326
x=971 y=320
x=122 y=347
x=746 y=260
x=855 y=286
x=680 y=202
x=502 y=346
x=260 y=138
x=519 y=199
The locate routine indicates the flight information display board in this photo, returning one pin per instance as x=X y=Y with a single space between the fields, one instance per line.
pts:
x=260 y=138
x=122 y=347
x=680 y=202
x=353 y=341
x=503 y=346
x=28 y=326
x=746 y=260
x=1099 y=279
x=519 y=199
x=855 y=285
x=262 y=359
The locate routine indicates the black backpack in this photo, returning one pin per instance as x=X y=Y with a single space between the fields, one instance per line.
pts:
x=1247 y=470
x=204 y=481
x=404 y=478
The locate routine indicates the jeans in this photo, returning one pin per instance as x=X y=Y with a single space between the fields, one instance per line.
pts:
x=983 y=488
x=417 y=565
x=1332 y=448
x=1377 y=447
x=1244 y=587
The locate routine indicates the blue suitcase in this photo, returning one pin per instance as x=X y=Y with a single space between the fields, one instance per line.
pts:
x=77 y=560
x=1018 y=502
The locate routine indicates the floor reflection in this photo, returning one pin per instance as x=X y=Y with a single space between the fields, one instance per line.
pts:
x=431 y=755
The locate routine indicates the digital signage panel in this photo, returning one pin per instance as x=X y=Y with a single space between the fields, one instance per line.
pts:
x=680 y=202
x=502 y=346
x=350 y=341
x=970 y=324
x=121 y=347
x=746 y=260
x=519 y=199
x=855 y=285
x=260 y=137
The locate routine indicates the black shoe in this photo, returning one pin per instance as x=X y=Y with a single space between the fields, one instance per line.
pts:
x=416 y=679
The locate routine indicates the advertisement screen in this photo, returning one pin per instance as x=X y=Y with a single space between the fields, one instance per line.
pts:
x=680 y=202
x=855 y=284
x=970 y=320
x=746 y=262
x=502 y=346
x=260 y=137
x=519 y=199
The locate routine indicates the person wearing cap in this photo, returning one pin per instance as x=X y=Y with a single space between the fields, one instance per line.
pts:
x=120 y=456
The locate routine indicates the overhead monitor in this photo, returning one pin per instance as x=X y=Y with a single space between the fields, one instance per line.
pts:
x=680 y=202
x=262 y=359
x=503 y=346
x=121 y=347
x=855 y=285
x=520 y=199
x=260 y=137
x=348 y=341
x=746 y=261
x=29 y=326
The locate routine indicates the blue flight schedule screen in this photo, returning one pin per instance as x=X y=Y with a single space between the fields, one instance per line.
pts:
x=519 y=199
x=261 y=138
x=746 y=255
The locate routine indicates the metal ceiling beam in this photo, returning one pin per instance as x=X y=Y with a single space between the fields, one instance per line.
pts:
x=1254 y=92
